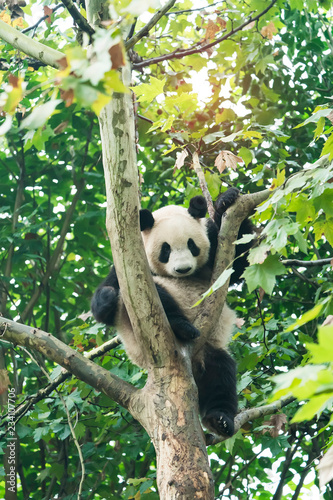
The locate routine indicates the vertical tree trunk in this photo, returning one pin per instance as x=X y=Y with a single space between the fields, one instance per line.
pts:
x=167 y=406
x=168 y=409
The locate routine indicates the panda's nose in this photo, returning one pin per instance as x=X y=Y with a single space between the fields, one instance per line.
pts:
x=183 y=270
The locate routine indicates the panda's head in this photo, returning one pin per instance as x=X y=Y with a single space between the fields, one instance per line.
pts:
x=176 y=239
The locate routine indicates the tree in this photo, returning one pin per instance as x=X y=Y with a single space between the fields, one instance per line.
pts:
x=54 y=251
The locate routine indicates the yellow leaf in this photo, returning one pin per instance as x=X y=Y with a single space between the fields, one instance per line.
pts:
x=211 y=30
x=14 y=96
x=100 y=102
x=269 y=30
x=280 y=178
x=5 y=17
x=18 y=23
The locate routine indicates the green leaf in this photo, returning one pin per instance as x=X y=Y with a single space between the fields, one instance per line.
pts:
x=246 y=154
x=306 y=317
x=315 y=117
x=263 y=275
x=313 y=407
x=39 y=115
x=146 y=92
x=221 y=280
x=323 y=351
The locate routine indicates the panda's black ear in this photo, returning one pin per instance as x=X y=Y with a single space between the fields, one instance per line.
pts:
x=146 y=219
x=198 y=207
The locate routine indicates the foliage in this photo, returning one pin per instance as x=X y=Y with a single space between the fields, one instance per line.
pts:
x=267 y=100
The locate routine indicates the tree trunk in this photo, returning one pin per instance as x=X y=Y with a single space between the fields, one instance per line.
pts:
x=167 y=407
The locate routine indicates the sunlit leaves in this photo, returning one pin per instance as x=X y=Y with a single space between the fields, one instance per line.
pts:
x=313 y=382
x=146 y=92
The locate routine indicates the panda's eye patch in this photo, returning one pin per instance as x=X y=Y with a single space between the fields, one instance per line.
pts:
x=193 y=247
x=165 y=253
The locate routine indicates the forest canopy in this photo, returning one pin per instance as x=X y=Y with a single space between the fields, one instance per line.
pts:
x=226 y=93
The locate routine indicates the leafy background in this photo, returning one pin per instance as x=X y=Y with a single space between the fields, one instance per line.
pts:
x=268 y=89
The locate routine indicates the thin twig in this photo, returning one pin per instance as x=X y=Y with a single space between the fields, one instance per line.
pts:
x=151 y=23
x=34 y=26
x=78 y=18
x=304 y=278
x=177 y=12
x=179 y=54
x=203 y=185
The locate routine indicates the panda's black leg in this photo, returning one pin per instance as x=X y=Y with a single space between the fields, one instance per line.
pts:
x=105 y=300
x=180 y=325
x=217 y=392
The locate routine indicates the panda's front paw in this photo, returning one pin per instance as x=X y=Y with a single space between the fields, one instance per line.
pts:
x=184 y=330
x=219 y=423
x=104 y=304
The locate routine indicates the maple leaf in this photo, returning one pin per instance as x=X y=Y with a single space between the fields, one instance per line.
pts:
x=226 y=159
x=276 y=424
x=117 y=56
x=269 y=30
x=48 y=12
x=67 y=96
x=211 y=30
x=146 y=92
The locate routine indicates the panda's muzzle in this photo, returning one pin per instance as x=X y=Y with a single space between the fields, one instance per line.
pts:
x=183 y=270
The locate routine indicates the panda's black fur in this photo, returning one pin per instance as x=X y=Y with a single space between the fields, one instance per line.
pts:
x=181 y=245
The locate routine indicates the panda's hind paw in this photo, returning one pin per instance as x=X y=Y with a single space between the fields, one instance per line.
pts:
x=226 y=199
x=219 y=423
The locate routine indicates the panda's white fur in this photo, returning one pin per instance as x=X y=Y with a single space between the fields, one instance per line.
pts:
x=174 y=225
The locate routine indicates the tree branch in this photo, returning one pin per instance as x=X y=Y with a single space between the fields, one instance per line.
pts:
x=251 y=414
x=231 y=221
x=151 y=23
x=78 y=18
x=307 y=263
x=55 y=350
x=31 y=47
x=203 y=184
x=180 y=53
x=21 y=410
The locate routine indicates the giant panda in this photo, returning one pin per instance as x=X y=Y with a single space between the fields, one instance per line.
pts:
x=181 y=245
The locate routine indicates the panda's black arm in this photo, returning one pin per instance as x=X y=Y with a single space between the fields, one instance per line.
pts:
x=105 y=300
x=180 y=325
x=223 y=202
